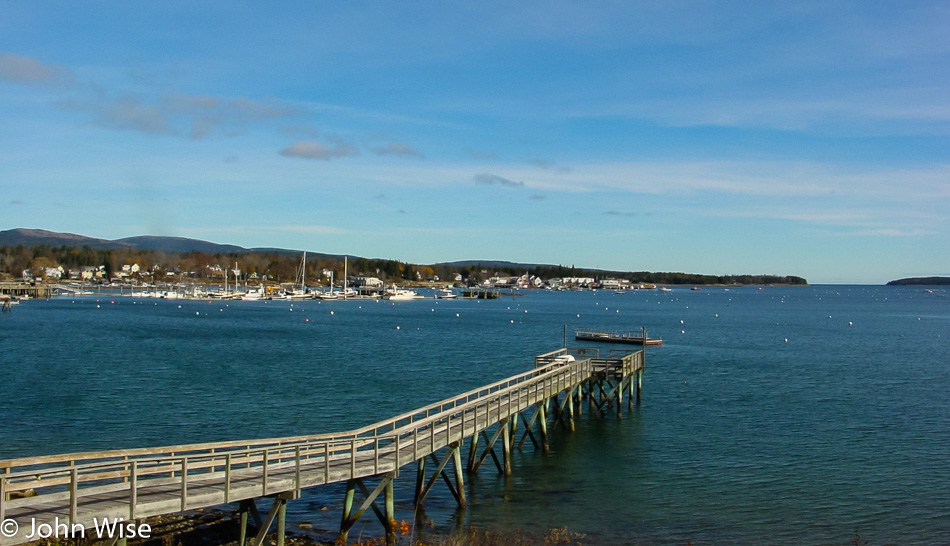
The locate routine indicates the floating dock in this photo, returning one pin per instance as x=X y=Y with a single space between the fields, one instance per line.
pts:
x=480 y=294
x=630 y=338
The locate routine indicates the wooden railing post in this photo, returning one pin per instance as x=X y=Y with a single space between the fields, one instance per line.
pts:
x=227 y=478
x=3 y=494
x=297 y=470
x=266 y=457
x=133 y=488
x=184 y=483
x=73 y=494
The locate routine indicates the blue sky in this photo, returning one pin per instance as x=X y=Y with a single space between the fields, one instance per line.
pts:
x=803 y=138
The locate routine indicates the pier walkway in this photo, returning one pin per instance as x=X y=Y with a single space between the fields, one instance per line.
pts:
x=80 y=490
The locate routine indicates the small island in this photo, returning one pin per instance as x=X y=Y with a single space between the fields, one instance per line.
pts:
x=921 y=281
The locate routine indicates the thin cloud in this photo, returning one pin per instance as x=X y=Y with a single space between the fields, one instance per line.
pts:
x=489 y=179
x=538 y=197
x=207 y=115
x=183 y=115
x=17 y=202
x=619 y=213
x=318 y=150
x=551 y=166
x=308 y=229
x=300 y=131
x=126 y=113
x=890 y=232
x=254 y=229
x=398 y=148
x=27 y=70
x=480 y=154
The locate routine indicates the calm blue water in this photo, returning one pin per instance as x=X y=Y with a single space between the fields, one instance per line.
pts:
x=788 y=415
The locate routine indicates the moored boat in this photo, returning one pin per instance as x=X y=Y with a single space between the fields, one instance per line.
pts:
x=630 y=338
x=400 y=294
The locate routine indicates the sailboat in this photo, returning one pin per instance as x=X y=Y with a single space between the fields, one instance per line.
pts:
x=228 y=294
x=302 y=278
x=329 y=295
x=346 y=291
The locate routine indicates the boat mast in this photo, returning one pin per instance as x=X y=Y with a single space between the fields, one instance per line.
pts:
x=344 y=277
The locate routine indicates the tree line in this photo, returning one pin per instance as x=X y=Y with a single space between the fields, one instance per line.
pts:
x=281 y=267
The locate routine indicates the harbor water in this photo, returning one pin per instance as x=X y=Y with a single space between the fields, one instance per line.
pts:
x=777 y=414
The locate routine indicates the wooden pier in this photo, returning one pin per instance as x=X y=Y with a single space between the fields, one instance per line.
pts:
x=82 y=488
x=22 y=289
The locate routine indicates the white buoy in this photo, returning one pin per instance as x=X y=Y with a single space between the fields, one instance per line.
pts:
x=397 y=327
x=331 y=312
x=456 y=314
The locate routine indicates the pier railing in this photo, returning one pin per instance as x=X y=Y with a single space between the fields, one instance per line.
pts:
x=137 y=483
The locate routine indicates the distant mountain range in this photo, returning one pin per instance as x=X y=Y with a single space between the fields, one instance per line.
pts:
x=35 y=237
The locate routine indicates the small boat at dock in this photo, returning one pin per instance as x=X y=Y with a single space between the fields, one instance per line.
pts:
x=630 y=338
x=445 y=294
x=400 y=294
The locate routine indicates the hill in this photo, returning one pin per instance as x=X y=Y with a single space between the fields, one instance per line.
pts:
x=921 y=281
x=36 y=237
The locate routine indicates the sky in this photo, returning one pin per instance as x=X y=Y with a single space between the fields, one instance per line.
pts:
x=787 y=138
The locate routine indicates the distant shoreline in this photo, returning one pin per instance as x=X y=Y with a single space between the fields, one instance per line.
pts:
x=921 y=281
